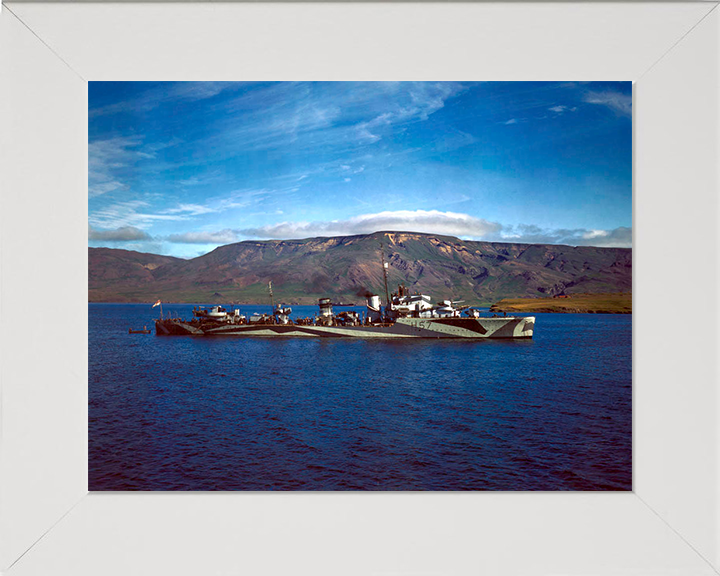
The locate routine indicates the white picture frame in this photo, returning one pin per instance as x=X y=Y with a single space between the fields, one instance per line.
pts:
x=50 y=524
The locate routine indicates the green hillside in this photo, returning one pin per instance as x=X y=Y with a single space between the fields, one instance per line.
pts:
x=347 y=267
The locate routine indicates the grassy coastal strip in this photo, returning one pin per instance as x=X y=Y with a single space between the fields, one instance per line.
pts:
x=618 y=303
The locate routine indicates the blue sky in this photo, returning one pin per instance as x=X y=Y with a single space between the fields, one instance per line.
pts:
x=180 y=168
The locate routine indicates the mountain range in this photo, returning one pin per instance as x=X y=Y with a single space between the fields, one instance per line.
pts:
x=347 y=268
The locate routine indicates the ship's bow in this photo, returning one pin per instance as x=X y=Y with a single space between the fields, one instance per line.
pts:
x=525 y=327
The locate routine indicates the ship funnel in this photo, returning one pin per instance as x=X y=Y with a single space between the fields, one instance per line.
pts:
x=373 y=308
x=282 y=313
x=325 y=307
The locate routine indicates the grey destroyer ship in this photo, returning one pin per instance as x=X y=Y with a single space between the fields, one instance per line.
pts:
x=404 y=316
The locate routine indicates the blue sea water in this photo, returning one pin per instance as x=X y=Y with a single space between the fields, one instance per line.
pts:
x=183 y=413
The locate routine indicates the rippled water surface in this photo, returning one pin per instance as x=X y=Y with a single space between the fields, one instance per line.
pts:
x=183 y=413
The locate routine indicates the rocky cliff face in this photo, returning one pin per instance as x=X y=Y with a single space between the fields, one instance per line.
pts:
x=346 y=267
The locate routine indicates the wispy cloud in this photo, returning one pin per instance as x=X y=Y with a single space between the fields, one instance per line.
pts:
x=620 y=237
x=620 y=103
x=350 y=170
x=122 y=234
x=141 y=214
x=103 y=187
x=163 y=94
x=558 y=110
x=190 y=209
x=453 y=140
x=348 y=117
x=112 y=161
x=431 y=222
x=135 y=213
x=106 y=158
x=221 y=237
x=561 y=109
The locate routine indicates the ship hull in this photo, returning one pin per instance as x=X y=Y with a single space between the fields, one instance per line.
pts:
x=402 y=328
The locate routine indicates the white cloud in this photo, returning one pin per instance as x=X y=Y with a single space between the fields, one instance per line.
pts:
x=429 y=98
x=131 y=213
x=99 y=188
x=245 y=198
x=620 y=103
x=349 y=169
x=620 y=237
x=422 y=221
x=165 y=93
x=561 y=109
x=122 y=234
x=364 y=135
x=429 y=221
x=351 y=116
x=108 y=157
x=190 y=209
x=511 y=121
x=221 y=237
x=595 y=234
x=452 y=140
x=112 y=160
x=141 y=214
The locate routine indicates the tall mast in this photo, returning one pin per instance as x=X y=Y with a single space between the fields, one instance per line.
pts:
x=384 y=269
x=272 y=302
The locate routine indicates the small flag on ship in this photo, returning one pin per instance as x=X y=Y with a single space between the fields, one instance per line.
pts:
x=157 y=304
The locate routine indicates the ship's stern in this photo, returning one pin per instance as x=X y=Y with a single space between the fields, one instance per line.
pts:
x=175 y=328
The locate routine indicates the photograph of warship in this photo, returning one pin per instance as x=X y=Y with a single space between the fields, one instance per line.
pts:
x=459 y=215
x=405 y=316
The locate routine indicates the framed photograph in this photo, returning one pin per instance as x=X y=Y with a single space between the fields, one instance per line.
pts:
x=294 y=223
x=261 y=267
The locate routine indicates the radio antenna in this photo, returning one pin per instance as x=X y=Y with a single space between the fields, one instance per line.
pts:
x=385 y=271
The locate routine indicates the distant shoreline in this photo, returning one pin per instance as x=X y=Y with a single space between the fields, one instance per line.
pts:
x=221 y=302
x=617 y=303
x=611 y=303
